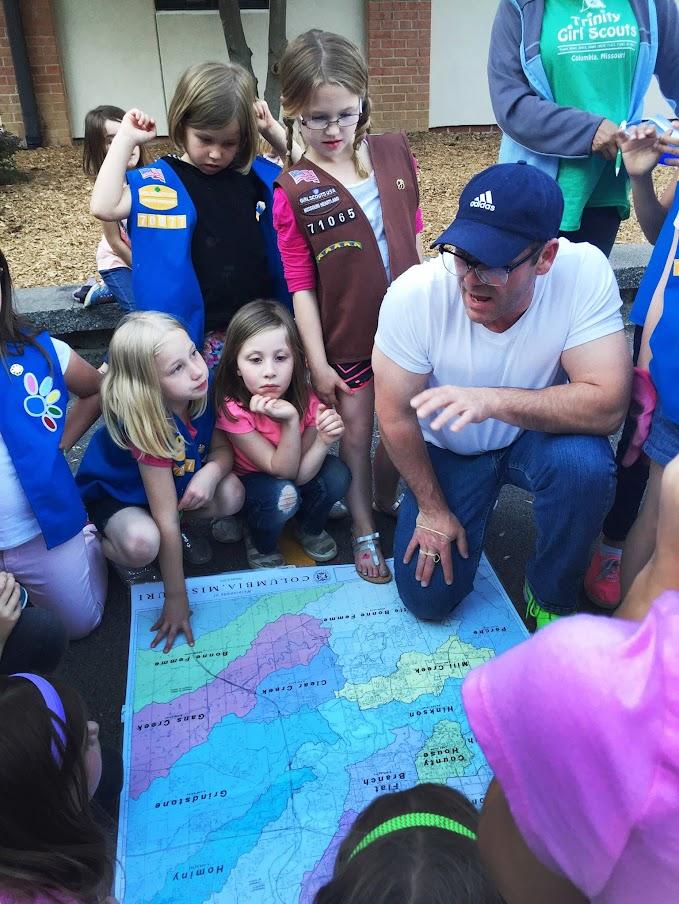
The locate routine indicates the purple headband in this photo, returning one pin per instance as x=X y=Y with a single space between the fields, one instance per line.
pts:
x=53 y=704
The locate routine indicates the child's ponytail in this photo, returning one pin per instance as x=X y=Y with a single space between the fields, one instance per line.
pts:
x=362 y=129
x=289 y=127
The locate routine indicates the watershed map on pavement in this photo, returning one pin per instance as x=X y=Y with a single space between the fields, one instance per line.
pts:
x=307 y=693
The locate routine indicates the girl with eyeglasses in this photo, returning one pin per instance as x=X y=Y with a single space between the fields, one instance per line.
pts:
x=347 y=217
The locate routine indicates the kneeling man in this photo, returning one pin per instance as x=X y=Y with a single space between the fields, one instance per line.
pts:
x=501 y=361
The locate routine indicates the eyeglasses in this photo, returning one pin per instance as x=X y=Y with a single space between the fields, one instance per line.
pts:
x=490 y=276
x=320 y=123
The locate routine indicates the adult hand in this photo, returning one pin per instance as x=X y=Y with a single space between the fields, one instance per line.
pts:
x=174 y=618
x=10 y=610
x=327 y=385
x=434 y=533
x=639 y=149
x=329 y=425
x=200 y=489
x=469 y=405
x=138 y=126
x=278 y=409
x=604 y=143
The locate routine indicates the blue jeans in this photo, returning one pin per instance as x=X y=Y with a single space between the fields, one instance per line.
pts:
x=119 y=281
x=36 y=644
x=598 y=226
x=270 y=502
x=572 y=478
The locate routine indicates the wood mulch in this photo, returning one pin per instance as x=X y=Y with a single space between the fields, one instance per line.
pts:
x=49 y=237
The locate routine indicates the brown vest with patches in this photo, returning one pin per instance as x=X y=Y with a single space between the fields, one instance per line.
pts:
x=351 y=279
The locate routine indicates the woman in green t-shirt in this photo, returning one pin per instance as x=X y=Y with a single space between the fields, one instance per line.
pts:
x=563 y=76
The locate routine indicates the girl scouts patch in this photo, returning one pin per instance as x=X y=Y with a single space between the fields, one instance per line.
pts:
x=16 y=370
x=157 y=197
x=336 y=246
x=40 y=401
x=318 y=200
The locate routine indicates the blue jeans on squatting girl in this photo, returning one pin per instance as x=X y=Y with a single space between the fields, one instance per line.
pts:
x=119 y=281
x=270 y=502
x=573 y=480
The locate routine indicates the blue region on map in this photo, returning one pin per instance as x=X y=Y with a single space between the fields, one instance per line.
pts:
x=308 y=693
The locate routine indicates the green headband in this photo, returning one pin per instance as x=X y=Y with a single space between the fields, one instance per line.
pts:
x=411 y=821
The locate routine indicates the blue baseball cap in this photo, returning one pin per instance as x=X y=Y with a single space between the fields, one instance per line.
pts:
x=502 y=211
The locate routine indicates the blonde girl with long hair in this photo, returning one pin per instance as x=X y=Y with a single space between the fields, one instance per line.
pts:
x=347 y=216
x=156 y=459
x=199 y=221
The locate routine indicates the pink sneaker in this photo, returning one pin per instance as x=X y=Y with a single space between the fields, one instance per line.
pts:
x=602 y=581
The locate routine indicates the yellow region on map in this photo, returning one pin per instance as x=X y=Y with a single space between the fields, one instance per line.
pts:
x=417 y=672
x=445 y=754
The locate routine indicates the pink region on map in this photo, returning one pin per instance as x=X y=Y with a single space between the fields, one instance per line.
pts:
x=164 y=732
x=322 y=871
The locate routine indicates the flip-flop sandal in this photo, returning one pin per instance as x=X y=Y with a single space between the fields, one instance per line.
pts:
x=368 y=543
x=392 y=511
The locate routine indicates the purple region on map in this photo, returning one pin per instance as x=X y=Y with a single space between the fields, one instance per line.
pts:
x=164 y=732
x=319 y=875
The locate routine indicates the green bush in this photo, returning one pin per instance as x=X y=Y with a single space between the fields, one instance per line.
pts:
x=9 y=145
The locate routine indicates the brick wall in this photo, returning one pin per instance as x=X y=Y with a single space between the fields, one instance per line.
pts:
x=10 y=109
x=48 y=81
x=41 y=43
x=398 y=39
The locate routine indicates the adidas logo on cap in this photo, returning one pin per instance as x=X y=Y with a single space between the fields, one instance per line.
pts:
x=484 y=200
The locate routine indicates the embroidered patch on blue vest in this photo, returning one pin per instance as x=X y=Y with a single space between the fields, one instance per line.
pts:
x=41 y=401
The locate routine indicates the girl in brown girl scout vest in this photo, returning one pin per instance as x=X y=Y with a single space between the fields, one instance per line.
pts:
x=347 y=217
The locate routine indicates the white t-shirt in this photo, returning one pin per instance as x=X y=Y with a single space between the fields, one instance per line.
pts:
x=424 y=328
x=17 y=521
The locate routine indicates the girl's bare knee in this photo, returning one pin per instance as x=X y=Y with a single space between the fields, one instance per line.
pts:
x=140 y=546
x=288 y=498
x=230 y=495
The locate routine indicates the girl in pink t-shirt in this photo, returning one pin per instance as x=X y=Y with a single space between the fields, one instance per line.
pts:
x=53 y=851
x=580 y=725
x=280 y=434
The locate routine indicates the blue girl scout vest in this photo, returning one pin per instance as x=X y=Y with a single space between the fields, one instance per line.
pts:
x=665 y=339
x=161 y=224
x=109 y=471
x=32 y=416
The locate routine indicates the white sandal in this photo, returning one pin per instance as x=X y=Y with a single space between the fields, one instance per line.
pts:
x=368 y=543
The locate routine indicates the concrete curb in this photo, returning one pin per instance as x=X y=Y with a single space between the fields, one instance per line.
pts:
x=53 y=308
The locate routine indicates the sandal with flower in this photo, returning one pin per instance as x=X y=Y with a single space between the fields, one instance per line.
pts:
x=366 y=549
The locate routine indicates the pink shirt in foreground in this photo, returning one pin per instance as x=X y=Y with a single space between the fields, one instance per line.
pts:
x=247 y=422
x=298 y=261
x=581 y=726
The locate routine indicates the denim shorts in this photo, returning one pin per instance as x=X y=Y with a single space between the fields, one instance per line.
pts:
x=662 y=444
